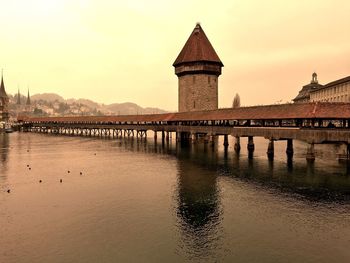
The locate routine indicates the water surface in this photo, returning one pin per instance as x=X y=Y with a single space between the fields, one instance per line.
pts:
x=145 y=202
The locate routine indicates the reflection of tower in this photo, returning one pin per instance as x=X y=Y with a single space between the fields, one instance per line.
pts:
x=4 y=100
x=198 y=68
x=198 y=207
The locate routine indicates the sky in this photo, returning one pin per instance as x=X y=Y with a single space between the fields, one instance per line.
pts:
x=113 y=51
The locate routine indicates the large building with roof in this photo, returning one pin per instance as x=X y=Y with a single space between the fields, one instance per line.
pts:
x=198 y=68
x=335 y=91
x=4 y=101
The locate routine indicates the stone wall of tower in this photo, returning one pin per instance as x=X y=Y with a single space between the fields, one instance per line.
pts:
x=198 y=92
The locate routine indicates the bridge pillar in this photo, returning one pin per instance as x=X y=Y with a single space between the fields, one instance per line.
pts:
x=226 y=141
x=163 y=136
x=193 y=138
x=310 y=153
x=343 y=152
x=250 y=146
x=290 y=150
x=183 y=137
x=167 y=136
x=237 y=145
x=206 y=138
x=155 y=135
x=212 y=140
x=271 y=150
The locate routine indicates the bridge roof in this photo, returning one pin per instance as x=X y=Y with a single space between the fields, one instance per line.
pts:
x=317 y=110
x=197 y=49
x=270 y=112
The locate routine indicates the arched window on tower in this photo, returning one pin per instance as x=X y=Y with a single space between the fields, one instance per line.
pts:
x=194 y=104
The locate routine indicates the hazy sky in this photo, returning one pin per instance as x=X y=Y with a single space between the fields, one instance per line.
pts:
x=118 y=51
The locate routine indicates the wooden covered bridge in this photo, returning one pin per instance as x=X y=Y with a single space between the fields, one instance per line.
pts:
x=314 y=123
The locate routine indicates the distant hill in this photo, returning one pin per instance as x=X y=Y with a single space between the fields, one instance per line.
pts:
x=49 y=97
x=86 y=102
x=51 y=104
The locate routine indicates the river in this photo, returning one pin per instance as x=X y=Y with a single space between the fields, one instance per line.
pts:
x=85 y=199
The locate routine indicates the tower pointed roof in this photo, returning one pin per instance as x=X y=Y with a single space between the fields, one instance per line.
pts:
x=197 y=49
x=2 y=87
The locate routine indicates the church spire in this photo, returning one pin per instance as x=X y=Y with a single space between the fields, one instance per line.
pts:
x=28 y=99
x=18 y=97
x=2 y=86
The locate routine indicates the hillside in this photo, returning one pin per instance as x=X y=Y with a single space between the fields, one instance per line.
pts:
x=49 y=97
x=51 y=104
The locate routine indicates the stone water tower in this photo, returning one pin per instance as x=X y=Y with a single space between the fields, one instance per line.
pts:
x=198 y=68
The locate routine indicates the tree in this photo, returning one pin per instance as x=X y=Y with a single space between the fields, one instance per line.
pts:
x=236 y=101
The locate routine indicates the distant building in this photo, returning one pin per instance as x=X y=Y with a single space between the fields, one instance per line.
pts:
x=4 y=101
x=198 y=68
x=335 y=91
x=304 y=93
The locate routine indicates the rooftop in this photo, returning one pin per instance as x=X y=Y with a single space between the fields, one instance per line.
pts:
x=321 y=110
x=197 y=49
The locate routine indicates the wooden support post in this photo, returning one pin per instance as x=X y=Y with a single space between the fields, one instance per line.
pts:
x=206 y=138
x=167 y=136
x=310 y=153
x=193 y=138
x=290 y=150
x=343 y=152
x=250 y=147
x=237 y=145
x=163 y=136
x=271 y=150
x=178 y=136
x=212 y=140
x=226 y=141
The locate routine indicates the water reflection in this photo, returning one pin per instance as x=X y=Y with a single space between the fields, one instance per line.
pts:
x=4 y=150
x=319 y=180
x=198 y=208
x=216 y=202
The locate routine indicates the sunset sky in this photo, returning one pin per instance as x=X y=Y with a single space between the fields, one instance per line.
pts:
x=122 y=51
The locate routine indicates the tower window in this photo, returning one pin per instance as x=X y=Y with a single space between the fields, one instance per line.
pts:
x=208 y=79
x=194 y=79
x=194 y=104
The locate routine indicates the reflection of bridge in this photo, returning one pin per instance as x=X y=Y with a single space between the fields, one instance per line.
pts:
x=313 y=123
